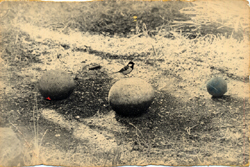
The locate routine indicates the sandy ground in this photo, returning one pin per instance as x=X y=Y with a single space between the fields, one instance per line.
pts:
x=179 y=79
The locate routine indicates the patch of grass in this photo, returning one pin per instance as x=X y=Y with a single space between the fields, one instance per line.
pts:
x=32 y=146
x=118 y=17
x=18 y=49
x=223 y=17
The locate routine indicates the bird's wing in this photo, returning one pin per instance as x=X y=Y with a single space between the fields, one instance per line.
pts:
x=124 y=68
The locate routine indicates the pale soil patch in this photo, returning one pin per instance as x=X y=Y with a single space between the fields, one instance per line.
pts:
x=102 y=141
x=11 y=147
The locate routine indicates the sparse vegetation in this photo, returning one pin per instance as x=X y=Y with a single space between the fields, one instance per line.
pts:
x=177 y=47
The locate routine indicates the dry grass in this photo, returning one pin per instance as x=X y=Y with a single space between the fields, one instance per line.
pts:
x=117 y=17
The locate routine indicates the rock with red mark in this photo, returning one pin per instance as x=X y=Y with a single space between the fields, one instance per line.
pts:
x=131 y=96
x=56 y=85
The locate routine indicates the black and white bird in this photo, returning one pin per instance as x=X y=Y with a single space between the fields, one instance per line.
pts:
x=127 y=69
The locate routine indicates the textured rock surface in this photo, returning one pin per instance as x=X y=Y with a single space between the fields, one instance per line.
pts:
x=131 y=96
x=217 y=87
x=56 y=85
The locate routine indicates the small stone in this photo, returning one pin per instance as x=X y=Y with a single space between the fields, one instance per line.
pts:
x=136 y=147
x=217 y=87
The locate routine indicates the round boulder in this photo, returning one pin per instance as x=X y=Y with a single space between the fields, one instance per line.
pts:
x=56 y=85
x=131 y=96
x=217 y=87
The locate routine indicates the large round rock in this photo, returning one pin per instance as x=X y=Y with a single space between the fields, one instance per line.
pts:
x=217 y=87
x=56 y=85
x=131 y=96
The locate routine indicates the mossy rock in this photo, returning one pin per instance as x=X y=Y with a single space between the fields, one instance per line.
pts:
x=56 y=85
x=131 y=96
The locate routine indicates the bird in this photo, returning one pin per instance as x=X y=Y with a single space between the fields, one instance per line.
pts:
x=127 y=69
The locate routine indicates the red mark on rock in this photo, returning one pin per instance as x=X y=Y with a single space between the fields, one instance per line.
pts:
x=48 y=98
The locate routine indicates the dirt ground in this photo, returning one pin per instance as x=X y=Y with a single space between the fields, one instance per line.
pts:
x=183 y=126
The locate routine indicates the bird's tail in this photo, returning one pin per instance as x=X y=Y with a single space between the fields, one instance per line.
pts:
x=114 y=72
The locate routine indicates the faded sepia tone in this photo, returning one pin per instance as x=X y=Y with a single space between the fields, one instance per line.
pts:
x=176 y=46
